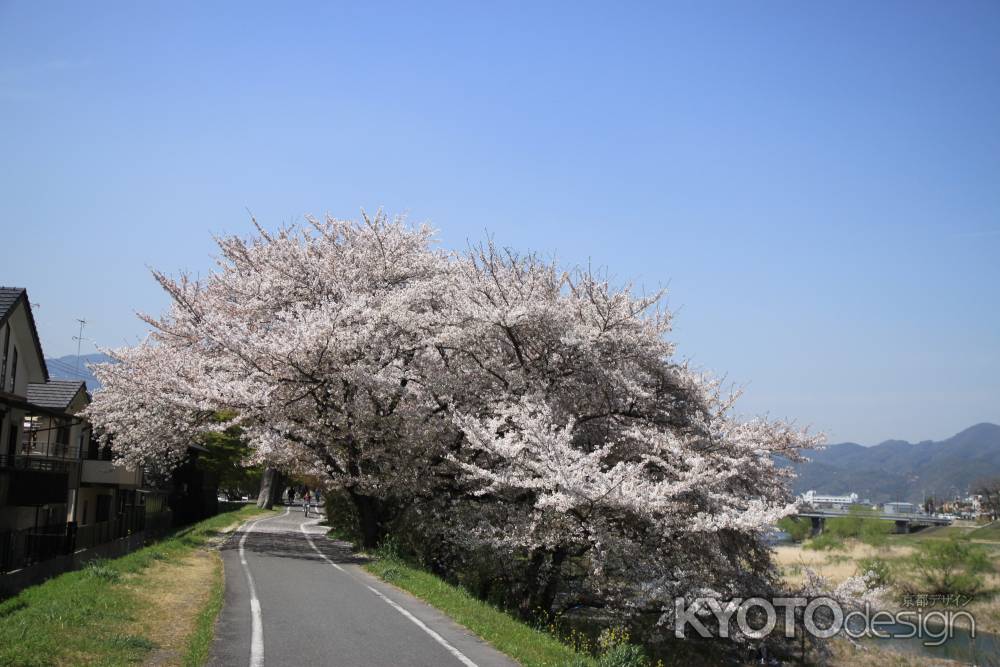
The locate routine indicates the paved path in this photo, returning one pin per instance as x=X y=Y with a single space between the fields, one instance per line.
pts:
x=295 y=598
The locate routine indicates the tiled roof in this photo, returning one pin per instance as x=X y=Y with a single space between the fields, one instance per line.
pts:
x=54 y=393
x=9 y=296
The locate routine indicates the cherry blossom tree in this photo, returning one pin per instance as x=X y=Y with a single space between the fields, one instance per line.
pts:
x=571 y=405
x=521 y=407
x=309 y=337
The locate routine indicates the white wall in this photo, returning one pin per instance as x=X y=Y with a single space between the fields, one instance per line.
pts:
x=29 y=365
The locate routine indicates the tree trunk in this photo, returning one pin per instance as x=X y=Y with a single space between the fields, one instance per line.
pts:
x=368 y=519
x=547 y=594
x=277 y=487
x=527 y=607
x=270 y=485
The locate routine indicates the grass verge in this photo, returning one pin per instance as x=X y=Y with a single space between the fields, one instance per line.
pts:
x=94 y=615
x=204 y=629
x=530 y=647
x=989 y=532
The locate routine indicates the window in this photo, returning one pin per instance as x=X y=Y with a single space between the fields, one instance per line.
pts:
x=83 y=519
x=12 y=440
x=103 y=508
x=31 y=426
x=3 y=357
x=13 y=371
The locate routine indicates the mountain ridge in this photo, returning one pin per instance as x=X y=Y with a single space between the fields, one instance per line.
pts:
x=67 y=367
x=901 y=470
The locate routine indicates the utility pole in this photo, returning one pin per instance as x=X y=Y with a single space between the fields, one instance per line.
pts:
x=79 y=339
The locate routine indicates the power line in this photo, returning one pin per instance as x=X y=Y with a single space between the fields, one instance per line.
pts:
x=79 y=339
x=63 y=367
x=68 y=369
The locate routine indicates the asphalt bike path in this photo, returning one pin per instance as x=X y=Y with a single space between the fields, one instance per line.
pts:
x=294 y=597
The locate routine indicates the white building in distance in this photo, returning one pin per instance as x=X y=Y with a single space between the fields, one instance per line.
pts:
x=831 y=502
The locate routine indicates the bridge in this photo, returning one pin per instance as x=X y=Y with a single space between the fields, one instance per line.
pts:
x=905 y=523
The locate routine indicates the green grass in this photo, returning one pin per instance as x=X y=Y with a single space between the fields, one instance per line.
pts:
x=79 y=617
x=204 y=629
x=940 y=533
x=530 y=647
x=990 y=532
x=931 y=533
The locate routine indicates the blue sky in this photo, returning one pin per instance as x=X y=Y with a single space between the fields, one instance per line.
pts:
x=817 y=186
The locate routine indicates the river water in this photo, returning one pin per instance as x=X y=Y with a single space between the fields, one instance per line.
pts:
x=960 y=646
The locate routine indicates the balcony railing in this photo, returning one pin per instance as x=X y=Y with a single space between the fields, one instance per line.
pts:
x=52 y=450
x=43 y=464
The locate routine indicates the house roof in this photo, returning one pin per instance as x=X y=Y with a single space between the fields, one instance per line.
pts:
x=57 y=394
x=9 y=298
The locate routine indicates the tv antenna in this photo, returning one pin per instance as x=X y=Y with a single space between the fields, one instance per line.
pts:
x=79 y=339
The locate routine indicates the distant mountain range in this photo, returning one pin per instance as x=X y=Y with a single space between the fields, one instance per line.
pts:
x=68 y=368
x=899 y=470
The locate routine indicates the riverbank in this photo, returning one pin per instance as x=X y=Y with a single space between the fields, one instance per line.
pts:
x=898 y=552
x=897 y=555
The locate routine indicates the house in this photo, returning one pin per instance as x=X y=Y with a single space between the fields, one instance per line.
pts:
x=105 y=500
x=62 y=498
x=39 y=459
x=59 y=492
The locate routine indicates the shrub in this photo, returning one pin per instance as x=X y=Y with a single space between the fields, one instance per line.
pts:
x=389 y=560
x=950 y=566
x=616 y=651
x=824 y=542
x=875 y=532
x=843 y=527
x=798 y=529
x=623 y=655
x=877 y=569
x=341 y=517
x=388 y=549
x=859 y=524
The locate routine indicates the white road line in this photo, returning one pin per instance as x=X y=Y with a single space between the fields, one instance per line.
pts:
x=322 y=555
x=257 y=622
x=420 y=624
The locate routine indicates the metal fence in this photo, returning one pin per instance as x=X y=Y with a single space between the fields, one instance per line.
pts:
x=122 y=525
x=21 y=548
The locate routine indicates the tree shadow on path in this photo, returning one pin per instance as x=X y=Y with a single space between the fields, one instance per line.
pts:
x=293 y=544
